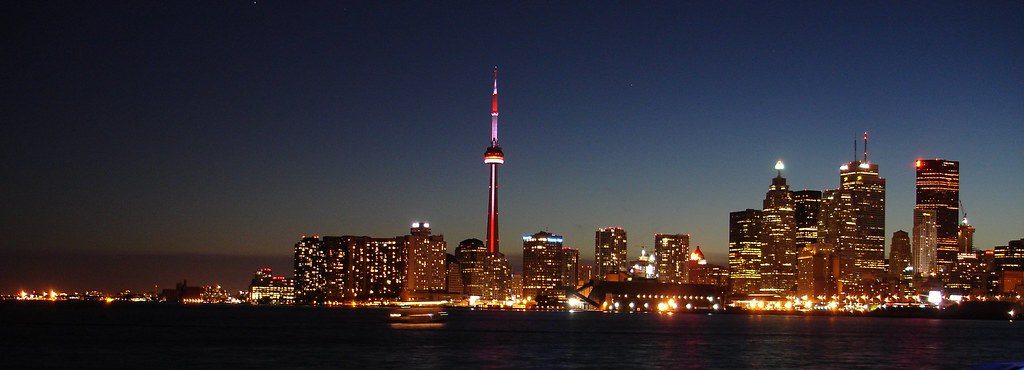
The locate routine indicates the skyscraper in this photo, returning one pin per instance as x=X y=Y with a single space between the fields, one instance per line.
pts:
x=698 y=271
x=542 y=263
x=778 y=237
x=808 y=206
x=472 y=255
x=672 y=251
x=493 y=157
x=925 y=242
x=425 y=259
x=380 y=269
x=938 y=193
x=306 y=273
x=899 y=253
x=965 y=237
x=570 y=267
x=610 y=251
x=818 y=272
x=454 y=272
x=745 y=251
x=853 y=220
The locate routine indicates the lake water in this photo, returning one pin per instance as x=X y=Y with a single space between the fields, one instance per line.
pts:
x=96 y=335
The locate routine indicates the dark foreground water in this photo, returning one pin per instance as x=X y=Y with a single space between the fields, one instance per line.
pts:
x=140 y=336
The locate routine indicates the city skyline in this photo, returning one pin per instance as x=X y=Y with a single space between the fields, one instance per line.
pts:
x=235 y=129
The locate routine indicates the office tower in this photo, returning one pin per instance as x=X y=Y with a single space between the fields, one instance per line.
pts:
x=745 y=251
x=925 y=235
x=542 y=263
x=818 y=272
x=965 y=237
x=778 y=237
x=497 y=278
x=493 y=157
x=967 y=276
x=672 y=251
x=425 y=261
x=853 y=220
x=610 y=251
x=1009 y=257
x=517 y=286
x=268 y=289
x=899 y=253
x=808 y=206
x=570 y=267
x=454 y=275
x=938 y=193
x=1009 y=267
x=472 y=256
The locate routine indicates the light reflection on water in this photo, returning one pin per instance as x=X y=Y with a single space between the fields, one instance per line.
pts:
x=164 y=336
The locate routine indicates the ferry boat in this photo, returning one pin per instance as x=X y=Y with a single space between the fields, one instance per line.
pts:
x=417 y=315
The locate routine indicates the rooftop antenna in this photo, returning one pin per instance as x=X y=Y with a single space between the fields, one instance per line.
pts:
x=865 y=146
x=854 y=149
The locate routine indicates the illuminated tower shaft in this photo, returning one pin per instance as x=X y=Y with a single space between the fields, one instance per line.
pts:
x=493 y=157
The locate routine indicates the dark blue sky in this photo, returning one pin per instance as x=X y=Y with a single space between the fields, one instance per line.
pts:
x=235 y=127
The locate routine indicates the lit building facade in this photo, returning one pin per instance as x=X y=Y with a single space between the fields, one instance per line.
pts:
x=967 y=276
x=778 y=238
x=965 y=237
x=644 y=267
x=586 y=273
x=497 y=277
x=610 y=251
x=338 y=269
x=672 y=251
x=426 y=270
x=808 y=205
x=698 y=270
x=853 y=221
x=570 y=267
x=472 y=257
x=268 y=289
x=899 y=253
x=925 y=243
x=542 y=263
x=380 y=271
x=1009 y=257
x=307 y=263
x=745 y=251
x=454 y=275
x=818 y=272
x=938 y=193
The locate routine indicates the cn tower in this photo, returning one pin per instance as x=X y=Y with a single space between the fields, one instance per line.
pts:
x=493 y=157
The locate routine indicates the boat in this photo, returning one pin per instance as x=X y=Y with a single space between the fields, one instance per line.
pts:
x=417 y=315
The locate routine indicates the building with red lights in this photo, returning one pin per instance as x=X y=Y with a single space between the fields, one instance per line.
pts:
x=938 y=194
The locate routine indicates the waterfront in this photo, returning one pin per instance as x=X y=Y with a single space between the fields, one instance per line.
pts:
x=93 y=335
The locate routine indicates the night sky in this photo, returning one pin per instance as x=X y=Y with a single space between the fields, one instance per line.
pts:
x=174 y=130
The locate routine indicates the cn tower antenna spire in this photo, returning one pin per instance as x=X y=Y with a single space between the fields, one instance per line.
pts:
x=494 y=110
